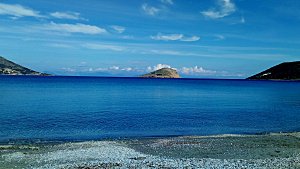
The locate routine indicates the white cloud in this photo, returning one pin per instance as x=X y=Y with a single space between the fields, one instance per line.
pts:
x=150 y=10
x=157 y=67
x=195 y=70
x=74 y=28
x=60 y=45
x=171 y=37
x=225 y=8
x=114 y=68
x=82 y=68
x=175 y=37
x=190 y=39
x=17 y=11
x=67 y=15
x=220 y=37
x=96 y=46
x=169 y=2
x=128 y=69
x=119 y=29
x=68 y=69
x=170 y=52
x=110 y=69
x=166 y=52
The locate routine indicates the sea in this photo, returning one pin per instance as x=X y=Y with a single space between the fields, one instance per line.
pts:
x=94 y=108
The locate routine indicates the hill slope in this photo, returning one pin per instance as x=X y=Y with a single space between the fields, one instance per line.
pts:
x=162 y=73
x=283 y=71
x=10 y=68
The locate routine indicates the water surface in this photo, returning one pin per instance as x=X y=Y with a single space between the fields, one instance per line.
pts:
x=85 y=108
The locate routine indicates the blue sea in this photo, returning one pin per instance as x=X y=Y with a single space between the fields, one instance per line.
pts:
x=88 y=108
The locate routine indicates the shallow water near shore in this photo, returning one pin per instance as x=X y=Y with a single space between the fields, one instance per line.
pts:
x=91 y=108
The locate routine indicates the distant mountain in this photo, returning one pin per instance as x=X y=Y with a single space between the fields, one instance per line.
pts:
x=162 y=73
x=283 y=71
x=10 y=68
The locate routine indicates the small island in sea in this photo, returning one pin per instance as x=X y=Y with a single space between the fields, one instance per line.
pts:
x=162 y=73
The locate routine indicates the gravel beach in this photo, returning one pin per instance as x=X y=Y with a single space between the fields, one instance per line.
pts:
x=278 y=150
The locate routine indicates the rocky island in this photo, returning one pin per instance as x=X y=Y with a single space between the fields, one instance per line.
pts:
x=283 y=71
x=10 y=68
x=162 y=73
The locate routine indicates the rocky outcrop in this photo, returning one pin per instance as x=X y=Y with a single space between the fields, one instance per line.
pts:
x=283 y=71
x=162 y=73
x=10 y=68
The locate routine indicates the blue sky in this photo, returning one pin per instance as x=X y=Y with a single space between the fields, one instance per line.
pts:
x=204 y=39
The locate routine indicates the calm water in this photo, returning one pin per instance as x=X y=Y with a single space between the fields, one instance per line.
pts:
x=94 y=108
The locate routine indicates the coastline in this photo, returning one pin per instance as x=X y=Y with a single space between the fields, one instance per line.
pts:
x=274 y=150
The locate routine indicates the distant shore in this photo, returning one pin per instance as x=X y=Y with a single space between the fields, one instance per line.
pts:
x=275 y=150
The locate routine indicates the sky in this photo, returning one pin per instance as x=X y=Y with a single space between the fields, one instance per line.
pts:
x=198 y=38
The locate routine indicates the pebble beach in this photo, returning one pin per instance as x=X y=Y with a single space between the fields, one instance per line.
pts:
x=278 y=150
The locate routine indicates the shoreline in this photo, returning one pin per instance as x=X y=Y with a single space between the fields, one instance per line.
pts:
x=11 y=141
x=273 y=150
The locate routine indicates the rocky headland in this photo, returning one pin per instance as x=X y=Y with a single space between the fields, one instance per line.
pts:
x=10 y=68
x=283 y=71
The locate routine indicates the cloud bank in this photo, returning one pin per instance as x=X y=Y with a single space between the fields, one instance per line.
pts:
x=196 y=71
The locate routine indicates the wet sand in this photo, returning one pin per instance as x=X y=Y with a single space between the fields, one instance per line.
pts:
x=277 y=150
